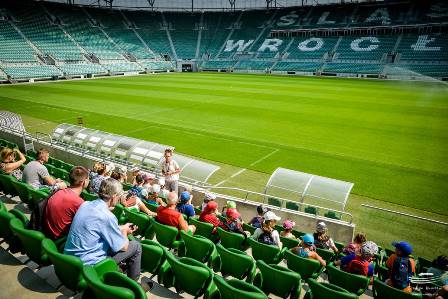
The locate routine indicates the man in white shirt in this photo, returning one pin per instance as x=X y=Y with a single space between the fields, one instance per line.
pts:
x=171 y=170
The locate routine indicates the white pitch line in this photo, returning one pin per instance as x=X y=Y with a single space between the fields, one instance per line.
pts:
x=265 y=157
x=232 y=176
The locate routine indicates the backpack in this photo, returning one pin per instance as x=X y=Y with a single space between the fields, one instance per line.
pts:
x=266 y=238
x=358 y=266
x=401 y=272
x=38 y=216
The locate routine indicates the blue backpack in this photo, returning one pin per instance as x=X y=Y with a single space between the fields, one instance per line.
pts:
x=266 y=238
x=401 y=272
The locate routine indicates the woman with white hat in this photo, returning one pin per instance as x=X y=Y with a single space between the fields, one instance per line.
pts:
x=267 y=234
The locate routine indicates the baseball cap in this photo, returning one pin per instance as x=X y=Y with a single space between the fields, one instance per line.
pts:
x=369 y=249
x=271 y=216
x=155 y=188
x=209 y=196
x=185 y=196
x=211 y=205
x=321 y=227
x=308 y=239
x=403 y=246
x=288 y=224
x=232 y=213
x=231 y=204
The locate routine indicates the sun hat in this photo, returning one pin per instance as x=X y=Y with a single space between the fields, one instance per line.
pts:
x=369 y=249
x=288 y=224
x=403 y=246
x=271 y=216
x=121 y=169
x=308 y=239
x=109 y=167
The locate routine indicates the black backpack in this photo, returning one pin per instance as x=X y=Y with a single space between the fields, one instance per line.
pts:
x=38 y=216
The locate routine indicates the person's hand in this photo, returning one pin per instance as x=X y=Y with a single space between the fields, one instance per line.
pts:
x=129 y=228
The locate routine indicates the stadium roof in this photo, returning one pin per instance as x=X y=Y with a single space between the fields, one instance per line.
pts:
x=203 y=4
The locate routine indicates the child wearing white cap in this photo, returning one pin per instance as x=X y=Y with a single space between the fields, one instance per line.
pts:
x=207 y=198
x=267 y=234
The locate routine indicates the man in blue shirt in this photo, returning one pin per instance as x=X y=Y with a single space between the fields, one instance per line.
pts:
x=95 y=234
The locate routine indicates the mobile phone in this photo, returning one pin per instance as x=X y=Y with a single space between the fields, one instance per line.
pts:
x=132 y=226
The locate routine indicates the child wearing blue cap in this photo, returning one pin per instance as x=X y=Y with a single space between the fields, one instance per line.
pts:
x=306 y=249
x=184 y=206
x=401 y=267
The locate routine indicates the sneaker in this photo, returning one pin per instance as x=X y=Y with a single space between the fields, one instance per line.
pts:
x=147 y=286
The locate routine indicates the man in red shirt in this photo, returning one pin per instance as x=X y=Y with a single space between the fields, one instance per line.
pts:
x=62 y=205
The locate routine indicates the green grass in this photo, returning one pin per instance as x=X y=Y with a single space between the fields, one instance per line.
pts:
x=388 y=137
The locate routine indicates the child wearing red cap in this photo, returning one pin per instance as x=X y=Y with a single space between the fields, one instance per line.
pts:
x=232 y=223
x=209 y=214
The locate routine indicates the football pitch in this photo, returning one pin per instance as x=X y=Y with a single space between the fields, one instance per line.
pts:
x=388 y=137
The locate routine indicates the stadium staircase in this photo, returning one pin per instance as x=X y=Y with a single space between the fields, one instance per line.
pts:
x=53 y=41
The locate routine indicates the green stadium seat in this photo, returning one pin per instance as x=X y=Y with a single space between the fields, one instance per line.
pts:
x=6 y=184
x=237 y=289
x=270 y=254
x=292 y=206
x=31 y=241
x=319 y=290
x=236 y=263
x=202 y=228
x=142 y=220
x=307 y=268
x=289 y=242
x=231 y=240
x=326 y=254
x=382 y=291
x=274 y=202
x=353 y=283
x=167 y=236
x=154 y=259
x=278 y=280
x=199 y=248
x=23 y=190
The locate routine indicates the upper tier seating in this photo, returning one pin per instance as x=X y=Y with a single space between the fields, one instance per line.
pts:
x=48 y=38
x=13 y=48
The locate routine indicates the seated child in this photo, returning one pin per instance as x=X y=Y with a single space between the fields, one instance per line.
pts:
x=306 y=249
x=258 y=220
x=401 y=267
x=267 y=234
x=288 y=225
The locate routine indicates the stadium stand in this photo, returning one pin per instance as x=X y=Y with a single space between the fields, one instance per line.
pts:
x=368 y=41
x=34 y=71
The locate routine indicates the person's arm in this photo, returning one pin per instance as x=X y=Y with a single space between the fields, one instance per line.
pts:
x=317 y=257
x=183 y=225
x=144 y=209
x=276 y=238
x=257 y=233
x=9 y=167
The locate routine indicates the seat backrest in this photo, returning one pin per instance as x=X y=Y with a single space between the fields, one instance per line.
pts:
x=231 y=240
x=22 y=190
x=236 y=263
x=165 y=234
x=118 y=279
x=102 y=290
x=7 y=186
x=118 y=211
x=191 y=276
x=304 y=266
x=36 y=196
x=140 y=219
x=351 y=282
x=267 y=253
x=5 y=218
x=202 y=228
x=289 y=242
x=383 y=291
x=278 y=280
x=153 y=256
x=31 y=241
x=197 y=247
x=326 y=254
x=88 y=196
x=68 y=268
x=327 y=290
x=237 y=289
